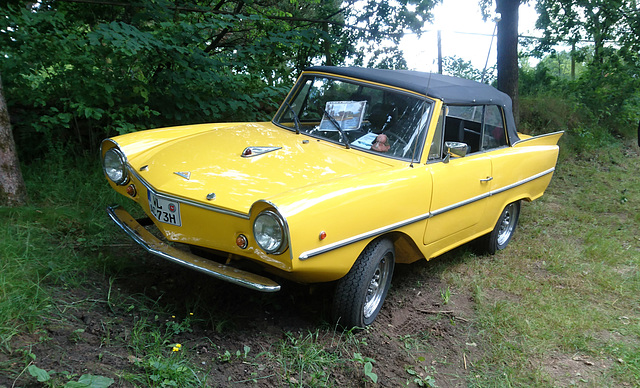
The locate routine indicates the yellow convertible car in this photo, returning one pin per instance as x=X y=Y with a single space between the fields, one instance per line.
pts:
x=359 y=169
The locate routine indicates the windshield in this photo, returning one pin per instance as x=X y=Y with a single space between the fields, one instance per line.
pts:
x=376 y=119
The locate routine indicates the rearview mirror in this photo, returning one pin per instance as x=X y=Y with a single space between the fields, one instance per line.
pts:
x=455 y=148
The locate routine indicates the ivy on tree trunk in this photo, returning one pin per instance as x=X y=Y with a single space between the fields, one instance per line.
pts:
x=12 y=188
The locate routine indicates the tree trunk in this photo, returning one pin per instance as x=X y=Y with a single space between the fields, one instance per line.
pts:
x=12 y=188
x=507 y=48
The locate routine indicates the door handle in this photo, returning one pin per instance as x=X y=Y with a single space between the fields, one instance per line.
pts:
x=487 y=179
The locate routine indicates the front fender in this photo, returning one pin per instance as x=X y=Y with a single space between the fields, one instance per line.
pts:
x=351 y=213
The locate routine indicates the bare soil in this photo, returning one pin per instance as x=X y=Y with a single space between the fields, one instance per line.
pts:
x=414 y=331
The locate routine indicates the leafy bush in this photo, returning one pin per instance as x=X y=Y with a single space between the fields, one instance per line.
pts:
x=600 y=105
x=72 y=81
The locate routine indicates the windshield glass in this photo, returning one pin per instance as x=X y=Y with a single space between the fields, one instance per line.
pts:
x=376 y=119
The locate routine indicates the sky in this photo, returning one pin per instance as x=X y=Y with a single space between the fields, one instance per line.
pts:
x=464 y=34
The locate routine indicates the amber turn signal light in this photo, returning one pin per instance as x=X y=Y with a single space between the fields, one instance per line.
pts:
x=131 y=190
x=242 y=242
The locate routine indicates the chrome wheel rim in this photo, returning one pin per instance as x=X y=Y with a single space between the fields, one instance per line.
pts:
x=377 y=286
x=507 y=224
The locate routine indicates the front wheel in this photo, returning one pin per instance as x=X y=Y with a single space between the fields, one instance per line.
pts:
x=360 y=293
x=504 y=229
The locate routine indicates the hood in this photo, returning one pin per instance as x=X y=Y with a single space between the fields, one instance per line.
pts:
x=204 y=159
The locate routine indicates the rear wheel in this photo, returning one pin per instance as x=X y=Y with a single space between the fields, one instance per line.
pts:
x=502 y=233
x=359 y=294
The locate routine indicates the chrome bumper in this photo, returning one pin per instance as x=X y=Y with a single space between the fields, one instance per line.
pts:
x=153 y=245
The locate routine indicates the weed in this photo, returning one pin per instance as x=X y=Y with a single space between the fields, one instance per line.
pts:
x=64 y=379
x=367 y=363
x=421 y=378
x=445 y=295
x=567 y=284
x=304 y=358
x=165 y=371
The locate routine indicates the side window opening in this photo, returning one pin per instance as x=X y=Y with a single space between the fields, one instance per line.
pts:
x=493 y=134
x=464 y=124
x=481 y=127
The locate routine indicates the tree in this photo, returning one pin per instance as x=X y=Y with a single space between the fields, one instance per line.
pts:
x=79 y=70
x=506 y=47
x=609 y=84
x=12 y=188
x=598 y=21
x=458 y=67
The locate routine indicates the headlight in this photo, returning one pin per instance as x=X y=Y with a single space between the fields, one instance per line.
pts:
x=114 y=166
x=269 y=232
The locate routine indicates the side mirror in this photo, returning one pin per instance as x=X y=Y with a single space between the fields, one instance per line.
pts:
x=456 y=149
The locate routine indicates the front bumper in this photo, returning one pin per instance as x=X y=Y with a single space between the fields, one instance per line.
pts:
x=154 y=246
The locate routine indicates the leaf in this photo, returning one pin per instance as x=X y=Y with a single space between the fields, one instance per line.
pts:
x=368 y=371
x=40 y=374
x=90 y=381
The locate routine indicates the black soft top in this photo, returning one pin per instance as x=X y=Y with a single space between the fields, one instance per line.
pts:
x=451 y=90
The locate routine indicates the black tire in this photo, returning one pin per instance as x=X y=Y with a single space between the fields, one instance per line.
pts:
x=502 y=233
x=359 y=295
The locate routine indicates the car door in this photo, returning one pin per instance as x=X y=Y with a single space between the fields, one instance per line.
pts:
x=460 y=184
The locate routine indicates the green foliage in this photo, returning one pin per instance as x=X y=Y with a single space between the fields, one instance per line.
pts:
x=598 y=21
x=75 y=73
x=50 y=379
x=566 y=287
x=458 y=67
x=600 y=104
x=421 y=378
x=564 y=293
x=367 y=363
x=305 y=357
x=601 y=99
x=445 y=295
x=172 y=371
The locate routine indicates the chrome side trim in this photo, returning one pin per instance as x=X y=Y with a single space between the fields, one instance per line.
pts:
x=186 y=201
x=339 y=244
x=460 y=204
x=522 y=182
x=156 y=247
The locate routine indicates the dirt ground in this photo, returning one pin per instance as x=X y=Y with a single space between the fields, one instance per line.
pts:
x=414 y=330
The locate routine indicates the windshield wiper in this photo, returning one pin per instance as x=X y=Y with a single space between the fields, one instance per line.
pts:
x=296 y=120
x=335 y=124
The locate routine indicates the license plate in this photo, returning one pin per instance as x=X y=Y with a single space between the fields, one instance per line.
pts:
x=164 y=210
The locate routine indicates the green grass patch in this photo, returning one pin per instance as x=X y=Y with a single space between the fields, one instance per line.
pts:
x=558 y=307
x=568 y=285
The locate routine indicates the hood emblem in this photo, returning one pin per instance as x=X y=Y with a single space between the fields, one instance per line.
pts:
x=185 y=174
x=255 y=151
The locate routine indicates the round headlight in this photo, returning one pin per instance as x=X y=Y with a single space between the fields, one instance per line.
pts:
x=269 y=232
x=114 y=166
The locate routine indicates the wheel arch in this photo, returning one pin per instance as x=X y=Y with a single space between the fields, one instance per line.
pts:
x=406 y=249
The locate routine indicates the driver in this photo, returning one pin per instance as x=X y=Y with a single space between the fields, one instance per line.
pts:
x=381 y=144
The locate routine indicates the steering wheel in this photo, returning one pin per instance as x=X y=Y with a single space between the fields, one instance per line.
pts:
x=396 y=137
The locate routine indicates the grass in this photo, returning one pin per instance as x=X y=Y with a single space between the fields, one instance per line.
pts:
x=568 y=286
x=559 y=307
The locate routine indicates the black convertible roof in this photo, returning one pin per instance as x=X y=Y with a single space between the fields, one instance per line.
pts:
x=451 y=90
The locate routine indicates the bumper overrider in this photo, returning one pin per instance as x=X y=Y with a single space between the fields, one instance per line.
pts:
x=154 y=246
